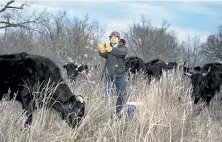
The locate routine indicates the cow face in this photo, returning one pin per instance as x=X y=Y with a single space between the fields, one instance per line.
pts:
x=76 y=110
x=83 y=68
x=199 y=82
x=197 y=78
x=73 y=111
x=73 y=70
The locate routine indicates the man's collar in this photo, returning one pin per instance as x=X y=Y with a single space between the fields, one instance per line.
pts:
x=115 y=45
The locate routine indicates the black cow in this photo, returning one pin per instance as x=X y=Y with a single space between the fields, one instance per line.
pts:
x=172 y=65
x=206 y=82
x=181 y=67
x=190 y=69
x=74 y=70
x=22 y=73
x=123 y=41
x=155 y=67
x=128 y=59
x=134 y=64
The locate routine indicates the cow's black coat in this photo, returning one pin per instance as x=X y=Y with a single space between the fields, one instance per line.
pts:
x=22 y=73
x=206 y=82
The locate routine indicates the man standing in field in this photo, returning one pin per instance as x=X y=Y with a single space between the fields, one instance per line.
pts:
x=115 y=52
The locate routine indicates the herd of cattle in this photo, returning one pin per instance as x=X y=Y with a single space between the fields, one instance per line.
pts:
x=21 y=74
x=206 y=80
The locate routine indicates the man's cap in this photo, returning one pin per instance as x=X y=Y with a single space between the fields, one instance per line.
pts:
x=114 y=33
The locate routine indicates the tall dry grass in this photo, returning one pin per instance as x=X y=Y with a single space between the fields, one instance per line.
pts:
x=167 y=115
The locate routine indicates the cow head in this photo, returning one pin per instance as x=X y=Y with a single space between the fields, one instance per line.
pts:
x=72 y=110
x=83 y=68
x=197 y=77
x=73 y=70
x=199 y=82
x=70 y=106
x=76 y=110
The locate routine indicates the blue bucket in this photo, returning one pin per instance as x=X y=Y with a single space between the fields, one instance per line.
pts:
x=131 y=111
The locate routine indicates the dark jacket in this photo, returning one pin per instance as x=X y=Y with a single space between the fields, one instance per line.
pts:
x=114 y=65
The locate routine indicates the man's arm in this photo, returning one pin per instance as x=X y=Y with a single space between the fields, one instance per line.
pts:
x=102 y=50
x=104 y=55
x=119 y=51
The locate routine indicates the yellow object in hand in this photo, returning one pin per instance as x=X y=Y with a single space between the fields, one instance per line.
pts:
x=101 y=47
x=108 y=47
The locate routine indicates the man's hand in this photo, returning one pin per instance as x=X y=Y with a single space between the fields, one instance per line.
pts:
x=101 y=47
x=108 y=47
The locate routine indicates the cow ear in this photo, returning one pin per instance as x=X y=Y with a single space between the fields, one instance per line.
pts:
x=187 y=74
x=209 y=70
x=44 y=66
x=204 y=74
x=76 y=67
x=30 y=70
x=57 y=72
x=77 y=98
x=72 y=101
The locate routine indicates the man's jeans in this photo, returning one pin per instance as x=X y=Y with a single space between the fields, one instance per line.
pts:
x=120 y=84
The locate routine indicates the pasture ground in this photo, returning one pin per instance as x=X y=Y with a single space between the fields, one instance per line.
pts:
x=168 y=115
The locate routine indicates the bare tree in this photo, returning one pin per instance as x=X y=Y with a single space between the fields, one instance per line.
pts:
x=196 y=51
x=11 y=15
x=212 y=49
x=191 y=50
x=150 y=42
x=52 y=26
x=70 y=37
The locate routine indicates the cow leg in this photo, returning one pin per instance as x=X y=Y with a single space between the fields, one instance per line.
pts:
x=29 y=114
x=27 y=104
x=208 y=101
x=196 y=99
x=218 y=89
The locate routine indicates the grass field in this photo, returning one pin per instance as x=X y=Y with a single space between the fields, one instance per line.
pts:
x=167 y=115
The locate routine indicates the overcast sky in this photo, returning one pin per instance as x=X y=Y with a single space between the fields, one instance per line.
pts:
x=202 y=18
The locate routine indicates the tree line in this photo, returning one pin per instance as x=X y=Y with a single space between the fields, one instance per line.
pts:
x=62 y=37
